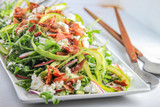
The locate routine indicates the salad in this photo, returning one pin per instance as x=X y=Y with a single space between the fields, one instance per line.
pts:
x=52 y=53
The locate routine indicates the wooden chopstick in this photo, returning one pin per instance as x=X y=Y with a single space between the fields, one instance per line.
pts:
x=111 y=31
x=125 y=38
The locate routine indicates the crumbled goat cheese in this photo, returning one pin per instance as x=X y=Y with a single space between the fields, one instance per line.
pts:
x=39 y=9
x=63 y=42
x=67 y=70
x=36 y=83
x=50 y=88
x=70 y=16
x=85 y=42
x=78 y=85
x=91 y=88
x=59 y=85
x=64 y=27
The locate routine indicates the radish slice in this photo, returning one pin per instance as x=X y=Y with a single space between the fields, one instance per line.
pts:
x=98 y=87
x=5 y=56
x=34 y=92
x=44 y=63
x=59 y=90
x=69 y=64
x=25 y=54
x=22 y=77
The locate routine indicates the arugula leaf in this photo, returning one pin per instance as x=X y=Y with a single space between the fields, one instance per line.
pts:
x=47 y=96
x=24 y=83
x=90 y=34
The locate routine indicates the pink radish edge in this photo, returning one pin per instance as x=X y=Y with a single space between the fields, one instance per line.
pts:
x=69 y=63
x=34 y=92
x=98 y=86
x=25 y=54
x=41 y=64
x=22 y=77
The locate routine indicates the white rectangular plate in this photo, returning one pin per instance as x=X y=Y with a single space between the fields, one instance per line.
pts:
x=137 y=84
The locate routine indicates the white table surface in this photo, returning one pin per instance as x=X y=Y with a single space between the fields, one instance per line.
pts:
x=142 y=37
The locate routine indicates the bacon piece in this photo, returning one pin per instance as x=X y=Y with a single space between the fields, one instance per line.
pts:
x=15 y=21
x=69 y=88
x=66 y=21
x=56 y=72
x=68 y=36
x=74 y=42
x=21 y=26
x=74 y=80
x=78 y=67
x=55 y=11
x=54 y=26
x=43 y=24
x=49 y=76
x=82 y=44
x=32 y=28
x=19 y=13
x=61 y=53
x=75 y=29
x=33 y=21
x=39 y=15
x=122 y=83
x=33 y=5
x=53 y=19
x=61 y=78
x=118 y=88
x=52 y=30
x=58 y=36
x=37 y=34
x=71 y=49
x=53 y=35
